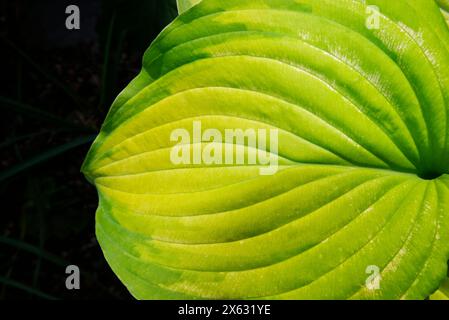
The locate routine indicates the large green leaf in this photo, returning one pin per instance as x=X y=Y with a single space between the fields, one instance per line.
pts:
x=444 y=5
x=443 y=292
x=184 y=5
x=361 y=112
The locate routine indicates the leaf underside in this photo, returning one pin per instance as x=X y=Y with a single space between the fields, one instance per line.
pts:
x=363 y=147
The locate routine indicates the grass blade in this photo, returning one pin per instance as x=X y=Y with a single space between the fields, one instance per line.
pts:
x=26 y=288
x=34 y=112
x=33 y=250
x=46 y=73
x=104 y=78
x=44 y=157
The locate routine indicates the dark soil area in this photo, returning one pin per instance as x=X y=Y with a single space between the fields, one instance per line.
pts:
x=56 y=88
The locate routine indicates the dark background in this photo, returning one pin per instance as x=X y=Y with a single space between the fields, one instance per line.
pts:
x=56 y=87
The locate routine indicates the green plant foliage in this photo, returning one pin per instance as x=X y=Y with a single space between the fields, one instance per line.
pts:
x=362 y=116
x=444 y=5
x=442 y=293
x=184 y=5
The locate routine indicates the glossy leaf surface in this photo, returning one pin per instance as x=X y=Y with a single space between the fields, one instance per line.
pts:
x=359 y=95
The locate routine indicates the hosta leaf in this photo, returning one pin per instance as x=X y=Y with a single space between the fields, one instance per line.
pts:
x=444 y=5
x=442 y=293
x=358 y=97
x=184 y=5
